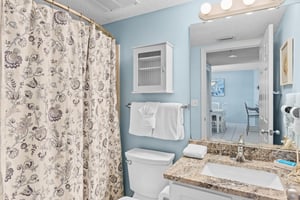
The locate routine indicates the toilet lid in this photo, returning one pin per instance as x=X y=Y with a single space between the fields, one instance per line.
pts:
x=128 y=198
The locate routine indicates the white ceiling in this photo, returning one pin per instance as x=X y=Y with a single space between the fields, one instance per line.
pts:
x=107 y=11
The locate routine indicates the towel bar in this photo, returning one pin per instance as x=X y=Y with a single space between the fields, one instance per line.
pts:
x=183 y=106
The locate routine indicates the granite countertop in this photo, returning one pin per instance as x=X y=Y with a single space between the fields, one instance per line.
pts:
x=188 y=171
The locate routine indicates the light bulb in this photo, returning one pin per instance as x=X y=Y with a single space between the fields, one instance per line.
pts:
x=226 y=4
x=248 y=2
x=205 y=8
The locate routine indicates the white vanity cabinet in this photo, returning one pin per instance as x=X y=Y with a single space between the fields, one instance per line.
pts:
x=153 y=68
x=179 y=191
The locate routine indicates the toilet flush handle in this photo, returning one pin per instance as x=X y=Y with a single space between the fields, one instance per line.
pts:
x=129 y=162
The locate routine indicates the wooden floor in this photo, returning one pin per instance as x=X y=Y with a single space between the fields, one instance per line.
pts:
x=233 y=132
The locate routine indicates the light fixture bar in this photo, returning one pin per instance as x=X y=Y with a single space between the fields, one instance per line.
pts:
x=238 y=7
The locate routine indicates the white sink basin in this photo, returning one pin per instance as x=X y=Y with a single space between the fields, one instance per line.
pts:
x=244 y=175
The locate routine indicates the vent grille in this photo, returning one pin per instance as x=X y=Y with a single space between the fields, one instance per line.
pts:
x=226 y=38
x=108 y=6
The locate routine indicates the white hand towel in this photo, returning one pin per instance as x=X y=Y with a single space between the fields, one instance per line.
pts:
x=137 y=124
x=195 y=151
x=148 y=112
x=169 y=122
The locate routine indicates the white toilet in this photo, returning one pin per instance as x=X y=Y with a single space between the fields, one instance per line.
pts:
x=145 y=169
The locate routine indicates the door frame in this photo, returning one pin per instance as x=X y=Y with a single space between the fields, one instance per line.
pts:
x=205 y=108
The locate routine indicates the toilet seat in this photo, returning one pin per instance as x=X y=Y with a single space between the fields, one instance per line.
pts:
x=128 y=198
x=164 y=194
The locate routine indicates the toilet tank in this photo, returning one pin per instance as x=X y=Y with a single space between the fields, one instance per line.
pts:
x=145 y=169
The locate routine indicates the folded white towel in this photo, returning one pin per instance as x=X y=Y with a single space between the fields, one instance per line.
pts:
x=137 y=125
x=169 y=122
x=148 y=112
x=195 y=151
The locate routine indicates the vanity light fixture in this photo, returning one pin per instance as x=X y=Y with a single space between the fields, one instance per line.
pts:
x=248 y=2
x=234 y=7
x=226 y=4
x=205 y=8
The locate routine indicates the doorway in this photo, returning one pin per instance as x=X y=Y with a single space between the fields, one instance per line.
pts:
x=231 y=90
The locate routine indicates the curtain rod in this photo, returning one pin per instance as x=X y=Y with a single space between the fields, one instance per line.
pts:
x=74 y=12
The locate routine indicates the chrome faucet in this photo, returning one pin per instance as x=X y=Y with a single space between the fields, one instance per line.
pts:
x=240 y=154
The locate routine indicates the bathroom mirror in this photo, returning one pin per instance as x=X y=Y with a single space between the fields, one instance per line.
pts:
x=226 y=60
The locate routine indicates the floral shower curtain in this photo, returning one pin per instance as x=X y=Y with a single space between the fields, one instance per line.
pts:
x=59 y=124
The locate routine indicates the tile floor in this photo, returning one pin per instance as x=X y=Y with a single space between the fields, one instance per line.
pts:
x=233 y=132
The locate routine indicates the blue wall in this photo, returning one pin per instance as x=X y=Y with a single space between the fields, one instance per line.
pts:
x=166 y=25
x=289 y=28
x=239 y=88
